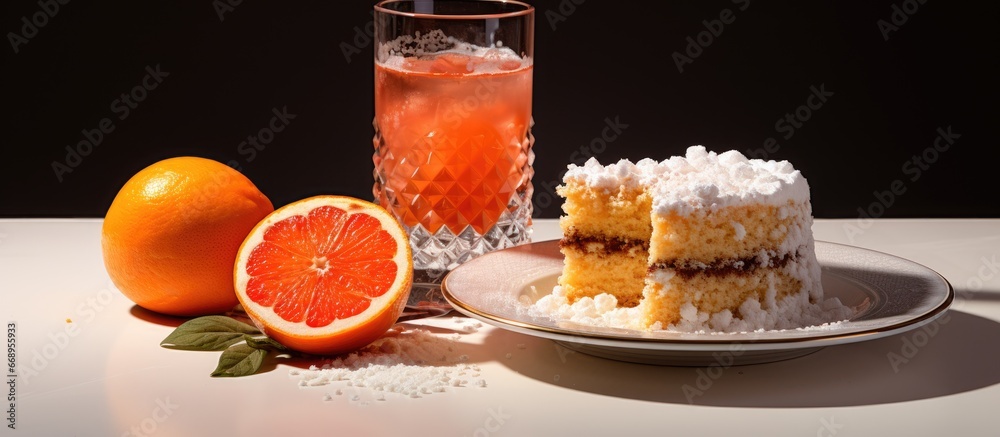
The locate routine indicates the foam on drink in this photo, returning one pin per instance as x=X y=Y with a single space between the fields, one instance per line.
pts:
x=434 y=52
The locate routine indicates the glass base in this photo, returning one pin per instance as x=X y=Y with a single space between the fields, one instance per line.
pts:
x=426 y=298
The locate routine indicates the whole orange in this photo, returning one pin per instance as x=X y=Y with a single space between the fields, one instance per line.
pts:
x=171 y=235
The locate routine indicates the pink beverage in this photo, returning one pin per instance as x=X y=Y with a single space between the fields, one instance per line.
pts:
x=453 y=146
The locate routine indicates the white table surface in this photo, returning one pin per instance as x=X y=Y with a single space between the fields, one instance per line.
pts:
x=105 y=373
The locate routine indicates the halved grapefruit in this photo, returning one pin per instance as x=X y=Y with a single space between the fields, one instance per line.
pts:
x=325 y=275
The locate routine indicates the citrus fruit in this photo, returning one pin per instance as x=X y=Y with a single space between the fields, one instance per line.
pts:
x=171 y=235
x=326 y=274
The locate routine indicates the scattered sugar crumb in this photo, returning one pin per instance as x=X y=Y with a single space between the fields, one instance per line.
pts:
x=521 y=346
x=509 y=355
x=472 y=327
x=327 y=397
x=407 y=361
x=794 y=312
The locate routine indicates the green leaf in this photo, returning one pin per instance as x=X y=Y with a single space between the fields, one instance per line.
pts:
x=208 y=333
x=239 y=360
x=265 y=343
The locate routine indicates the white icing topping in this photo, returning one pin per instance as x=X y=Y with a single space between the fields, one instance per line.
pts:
x=704 y=179
x=700 y=179
x=621 y=174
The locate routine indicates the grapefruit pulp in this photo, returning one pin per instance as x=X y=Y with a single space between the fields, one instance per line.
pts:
x=325 y=275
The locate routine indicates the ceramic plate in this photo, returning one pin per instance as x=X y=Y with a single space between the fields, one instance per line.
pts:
x=892 y=294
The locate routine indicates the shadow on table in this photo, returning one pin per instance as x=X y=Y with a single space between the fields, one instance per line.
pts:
x=300 y=361
x=156 y=318
x=960 y=356
x=977 y=295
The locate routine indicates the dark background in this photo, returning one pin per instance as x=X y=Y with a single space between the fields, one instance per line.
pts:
x=595 y=60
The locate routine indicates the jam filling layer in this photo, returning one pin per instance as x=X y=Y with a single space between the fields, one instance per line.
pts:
x=608 y=245
x=724 y=267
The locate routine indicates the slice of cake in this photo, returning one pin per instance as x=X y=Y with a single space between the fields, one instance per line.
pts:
x=698 y=240
x=606 y=229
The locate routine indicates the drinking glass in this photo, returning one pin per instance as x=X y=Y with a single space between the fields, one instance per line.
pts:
x=453 y=144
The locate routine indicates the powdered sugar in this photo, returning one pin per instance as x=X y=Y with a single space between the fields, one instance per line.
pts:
x=407 y=362
x=792 y=312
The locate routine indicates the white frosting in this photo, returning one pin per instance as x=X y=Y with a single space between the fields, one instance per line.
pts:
x=704 y=179
x=700 y=179
x=621 y=174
